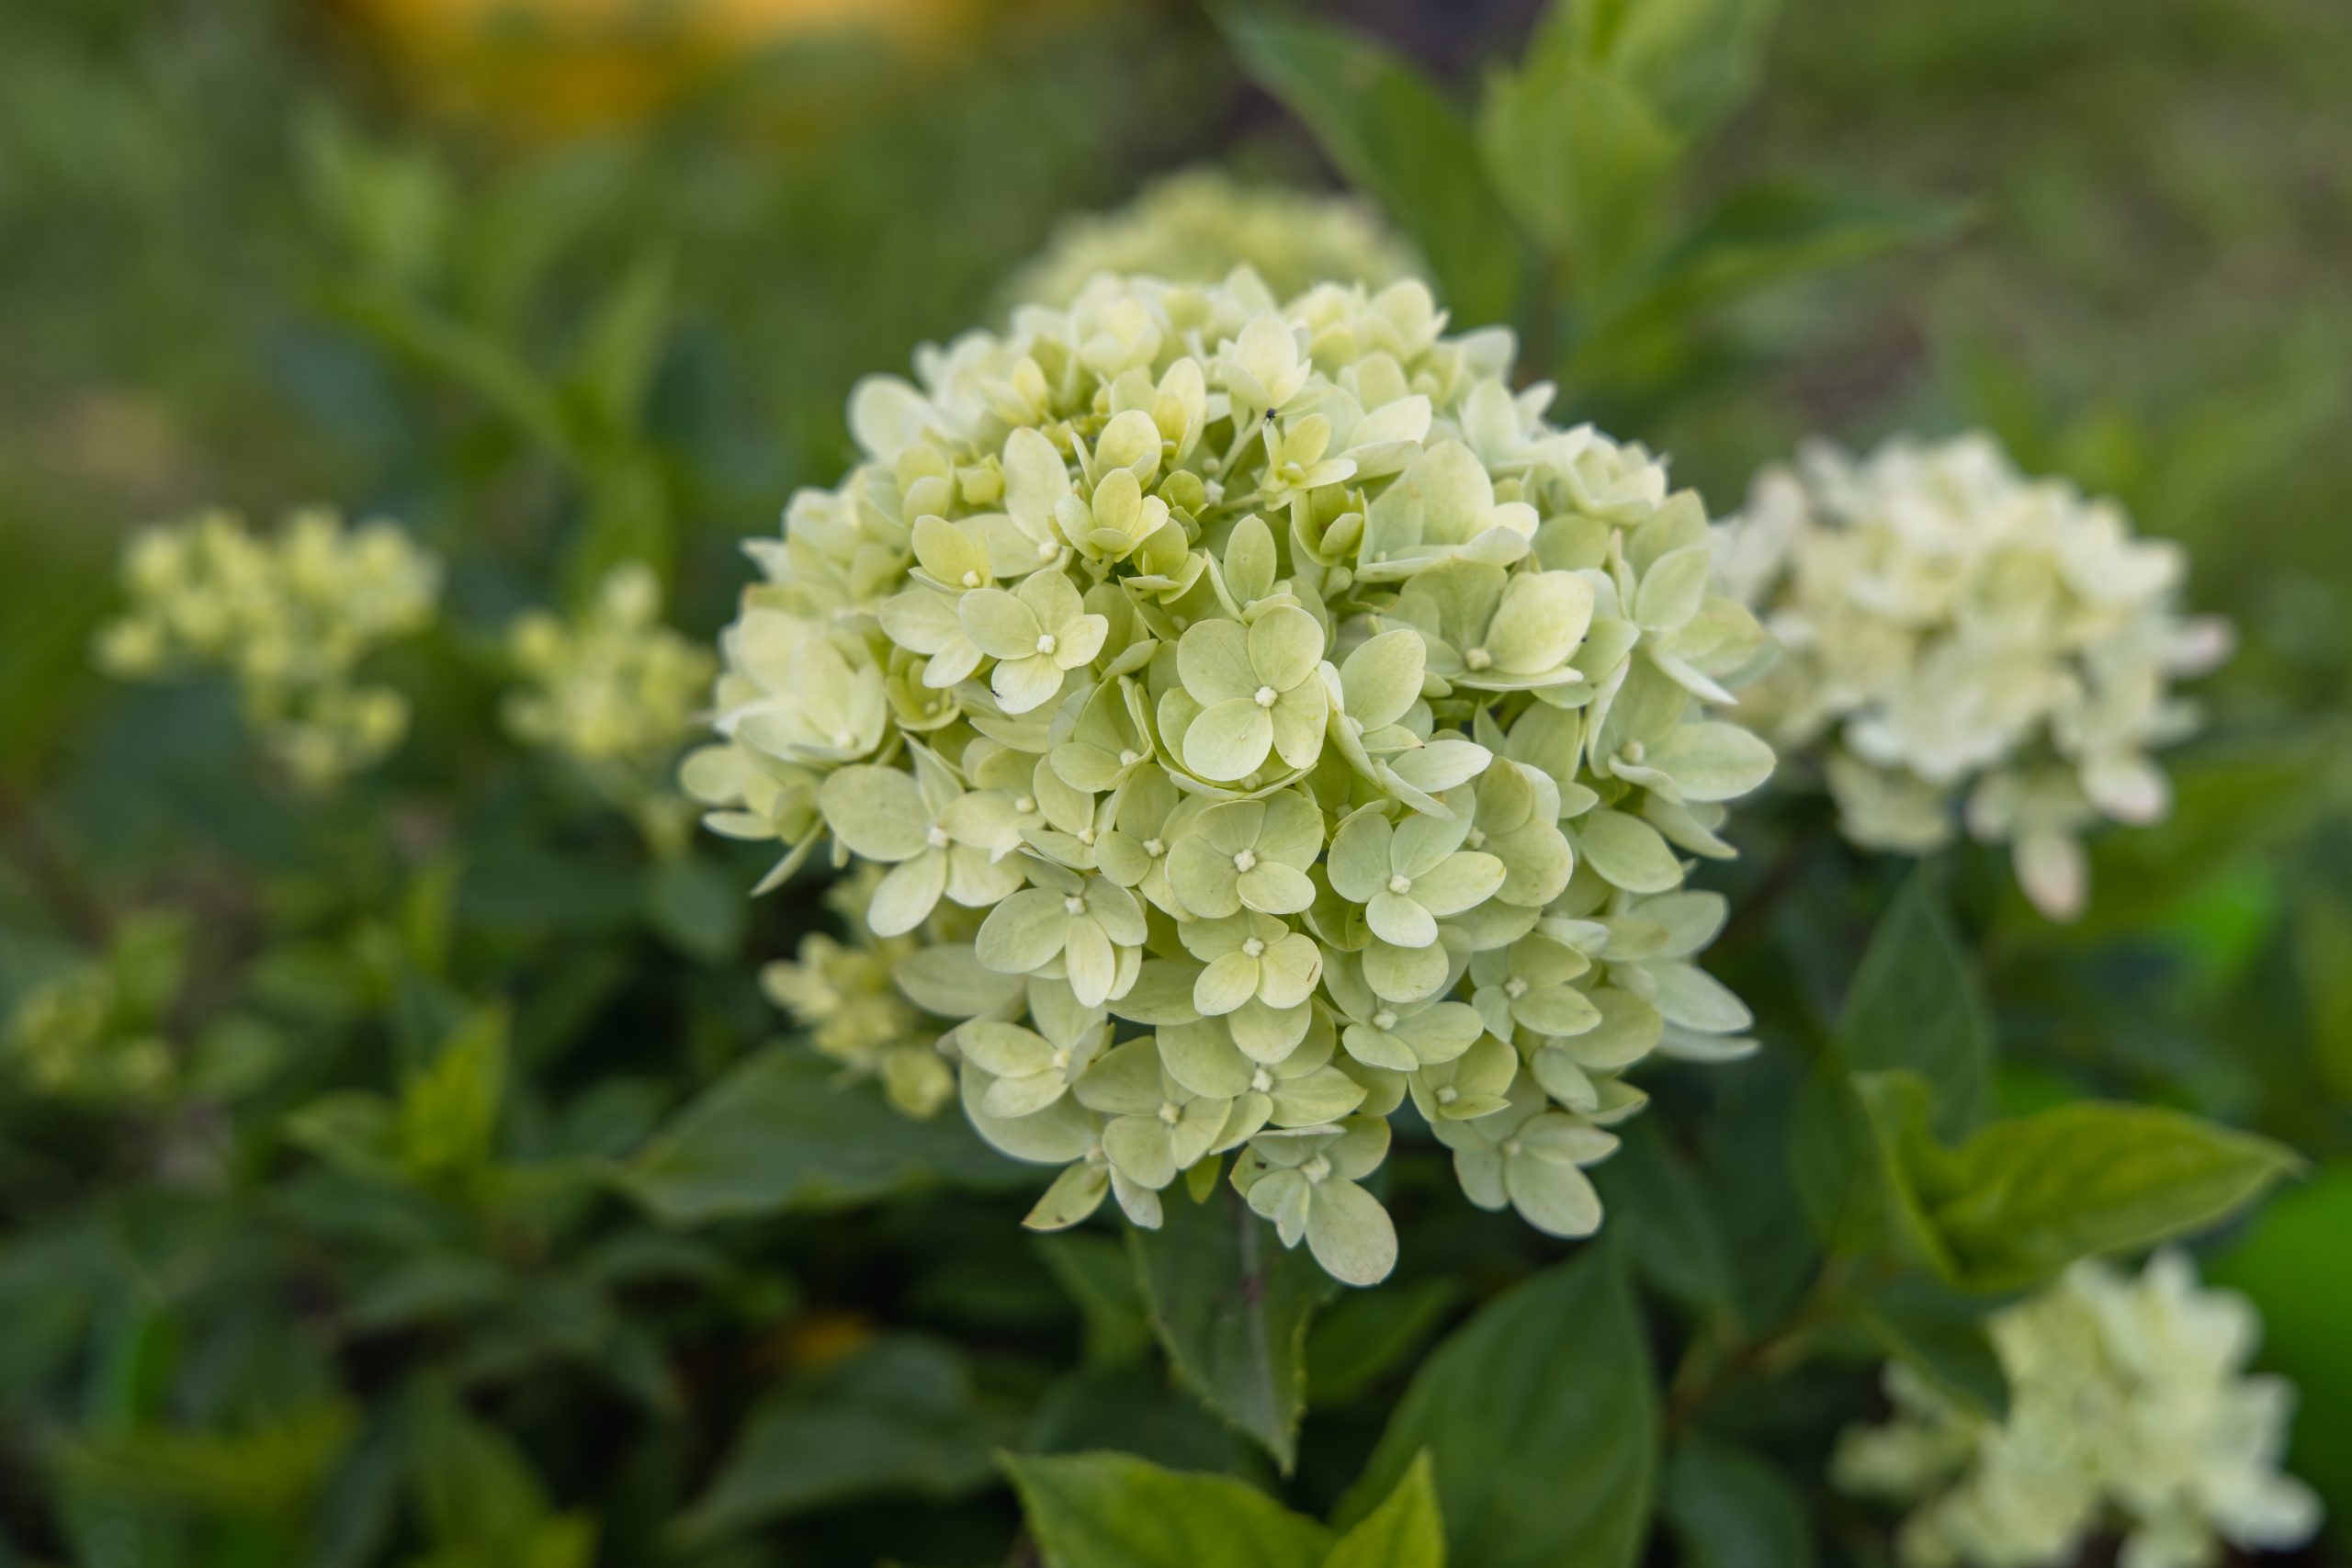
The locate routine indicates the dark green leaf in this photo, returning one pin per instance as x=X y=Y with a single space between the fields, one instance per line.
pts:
x=472 y=1485
x=898 y=1418
x=1406 y=1531
x=1231 y=1304
x=697 y=908
x=1107 y=1510
x=1365 y=1334
x=1940 y=1335
x=1543 y=1419
x=1731 y=1509
x=1671 y=1236
x=1582 y=159
x=1914 y=1005
x=1099 y=1276
x=1391 y=132
x=783 y=1132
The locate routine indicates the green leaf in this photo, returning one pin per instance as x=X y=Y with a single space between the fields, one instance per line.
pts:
x=1107 y=1510
x=898 y=1418
x=1914 y=1005
x=1582 y=159
x=1096 y=1273
x=1231 y=1304
x=1940 y=1336
x=448 y=1111
x=472 y=1485
x=269 y=1470
x=1391 y=132
x=1761 y=236
x=2294 y=1263
x=697 y=908
x=1672 y=1238
x=1543 y=1420
x=781 y=1133
x=1406 y=1531
x=622 y=345
x=1731 y=1509
x=1365 y=1333
x=2023 y=1199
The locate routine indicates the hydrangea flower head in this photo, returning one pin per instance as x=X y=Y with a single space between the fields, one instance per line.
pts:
x=1245 y=715
x=614 y=692
x=2130 y=1412
x=288 y=618
x=1961 y=642
x=1197 y=225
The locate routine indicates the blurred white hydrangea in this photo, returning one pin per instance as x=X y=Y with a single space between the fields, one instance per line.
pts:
x=288 y=618
x=1198 y=225
x=2129 y=1412
x=614 y=692
x=1954 y=633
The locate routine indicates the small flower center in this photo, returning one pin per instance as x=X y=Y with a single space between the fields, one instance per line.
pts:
x=1262 y=1081
x=1401 y=884
x=1447 y=1094
x=1086 y=836
x=1254 y=948
x=1383 y=1019
x=971 y=580
x=1170 y=1113
x=1154 y=848
x=1317 y=1169
x=936 y=837
x=1061 y=1058
x=1046 y=549
x=1045 y=642
x=1634 y=752
x=1074 y=905
x=1129 y=759
x=1475 y=838
x=1245 y=859
x=845 y=739
x=1478 y=659
x=1265 y=697
x=1515 y=988
x=1510 y=1148
x=1024 y=804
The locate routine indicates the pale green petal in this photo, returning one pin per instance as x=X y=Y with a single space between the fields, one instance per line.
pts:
x=1284 y=647
x=1301 y=716
x=1024 y=933
x=1691 y=997
x=999 y=625
x=1542 y=617
x=1405 y=973
x=1557 y=1198
x=1092 y=964
x=1079 y=639
x=1673 y=588
x=1123 y=1081
x=1203 y=1057
x=1225 y=983
x=1138 y=1146
x=1268 y=1035
x=1325 y=1094
x=877 y=812
x=1213 y=662
x=1556 y=1011
x=1017 y=1097
x=1272 y=889
x=1397 y=918
x=1163 y=993
x=1382 y=678
x=1289 y=970
x=1282 y=1196
x=904 y=897
x=1359 y=864
x=1075 y=1194
x=1628 y=852
x=1035 y=477
x=1710 y=761
x=1006 y=1050
x=1350 y=1233
x=1457 y=883
x=1023 y=686
x=1228 y=740
x=951 y=981
x=1442 y=1033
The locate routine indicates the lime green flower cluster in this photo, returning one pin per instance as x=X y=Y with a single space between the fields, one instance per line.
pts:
x=616 y=692
x=2129 y=1412
x=93 y=1033
x=1199 y=224
x=1951 y=629
x=289 y=619
x=846 y=995
x=1263 y=714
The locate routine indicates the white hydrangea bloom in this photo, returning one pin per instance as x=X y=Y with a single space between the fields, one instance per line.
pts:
x=2129 y=1412
x=290 y=617
x=1955 y=632
x=1197 y=225
x=1263 y=714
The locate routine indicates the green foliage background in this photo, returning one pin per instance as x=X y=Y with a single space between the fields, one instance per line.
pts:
x=489 y=1216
